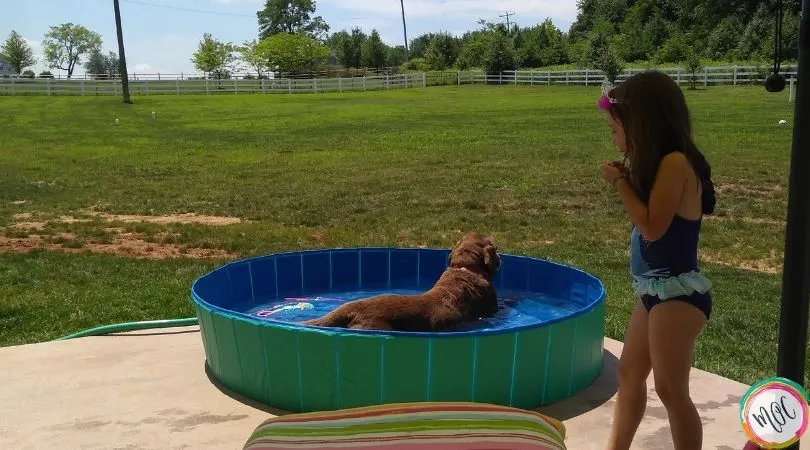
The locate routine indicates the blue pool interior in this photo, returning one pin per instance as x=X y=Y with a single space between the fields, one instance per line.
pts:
x=286 y=288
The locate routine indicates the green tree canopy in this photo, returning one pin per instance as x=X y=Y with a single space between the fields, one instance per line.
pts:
x=17 y=52
x=291 y=17
x=66 y=43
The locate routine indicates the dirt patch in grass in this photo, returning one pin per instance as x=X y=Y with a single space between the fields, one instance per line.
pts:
x=756 y=190
x=190 y=218
x=123 y=244
x=752 y=220
x=30 y=234
x=770 y=264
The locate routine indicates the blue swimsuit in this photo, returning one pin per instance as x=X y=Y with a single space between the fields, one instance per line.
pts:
x=668 y=268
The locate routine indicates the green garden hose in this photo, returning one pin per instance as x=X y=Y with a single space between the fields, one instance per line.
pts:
x=132 y=326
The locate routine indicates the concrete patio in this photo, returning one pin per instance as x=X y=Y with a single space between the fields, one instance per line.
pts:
x=150 y=390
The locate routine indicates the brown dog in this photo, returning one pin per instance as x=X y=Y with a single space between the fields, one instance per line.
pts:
x=463 y=293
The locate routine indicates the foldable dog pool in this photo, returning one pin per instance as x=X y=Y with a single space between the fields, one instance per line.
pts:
x=545 y=343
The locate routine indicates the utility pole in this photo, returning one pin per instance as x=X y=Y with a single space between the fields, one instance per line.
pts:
x=122 y=59
x=508 y=24
x=404 y=28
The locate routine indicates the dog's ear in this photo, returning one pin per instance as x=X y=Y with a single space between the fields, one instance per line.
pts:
x=491 y=258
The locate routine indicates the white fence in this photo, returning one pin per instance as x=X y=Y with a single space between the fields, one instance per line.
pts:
x=731 y=75
x=145 y=85
x=25 y=86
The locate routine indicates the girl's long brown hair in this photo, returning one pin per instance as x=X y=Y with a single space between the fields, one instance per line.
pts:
x=652 y=110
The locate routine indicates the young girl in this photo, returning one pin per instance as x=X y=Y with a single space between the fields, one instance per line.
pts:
x=666 y=189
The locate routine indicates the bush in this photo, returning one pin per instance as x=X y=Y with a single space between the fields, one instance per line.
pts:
x=416 y=64
x=28 y=74
x=46 y=74
x=674 y=50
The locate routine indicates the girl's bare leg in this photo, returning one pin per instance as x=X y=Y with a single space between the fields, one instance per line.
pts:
x=674 y=326
x=634 y=368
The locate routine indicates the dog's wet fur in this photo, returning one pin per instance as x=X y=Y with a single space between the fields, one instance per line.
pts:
x=463 y=293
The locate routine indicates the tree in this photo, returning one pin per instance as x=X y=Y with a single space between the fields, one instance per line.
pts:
x=374 y=51
x=28 y=74
x=250 y=55
x=499 y=54
x=693 y=66
x=293 y=52
x=17 y=52
x=101 y=66
x=291 y=17
x=419 y=45
x=213 y=56
x=442 y=51
x=350 y=48
x=66 y=43
x=602 y=56
x=396 y=56
x=473 y=51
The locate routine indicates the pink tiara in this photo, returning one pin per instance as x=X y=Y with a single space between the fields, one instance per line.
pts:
x=606 y=101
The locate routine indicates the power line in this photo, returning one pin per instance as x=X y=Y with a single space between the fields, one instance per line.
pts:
x=179 y=8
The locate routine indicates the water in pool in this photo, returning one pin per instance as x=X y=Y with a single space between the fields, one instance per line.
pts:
x=516 y=309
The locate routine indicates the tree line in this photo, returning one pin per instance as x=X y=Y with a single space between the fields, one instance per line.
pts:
x=606 y=35
x=64 y=48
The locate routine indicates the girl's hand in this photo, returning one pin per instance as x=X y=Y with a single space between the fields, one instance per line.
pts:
x=612 y=171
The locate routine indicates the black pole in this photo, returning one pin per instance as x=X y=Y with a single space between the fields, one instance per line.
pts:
x=404 y=28
x=796 y=276
x=122 y=59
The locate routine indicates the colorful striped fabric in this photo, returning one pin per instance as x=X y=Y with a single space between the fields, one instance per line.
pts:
x=412 y=426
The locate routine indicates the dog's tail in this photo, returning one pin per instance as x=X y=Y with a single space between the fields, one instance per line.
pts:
x=335 y=319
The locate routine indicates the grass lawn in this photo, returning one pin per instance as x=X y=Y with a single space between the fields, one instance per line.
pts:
x=405 y=168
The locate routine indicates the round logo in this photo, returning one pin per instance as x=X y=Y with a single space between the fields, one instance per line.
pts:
x=774 y=413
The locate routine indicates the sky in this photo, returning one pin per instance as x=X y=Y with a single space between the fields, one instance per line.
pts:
x=161 y=35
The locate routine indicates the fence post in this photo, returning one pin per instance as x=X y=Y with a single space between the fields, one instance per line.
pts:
x=549 y=78
x=792 y=95
x=340 y=85
x=81 y=84
x=387 y=82
x=586 y=77
x=679 y=76
x=289 y=85
x=177 y=85
x=158 y=76
x=235 y=85
x=458 y=78
x=424 y=79
x=735 y=75
x=12 y=85
x=516 y=77
x=364 y=82
x=705 y=76
x=314 y=85
x=567 y=77
x=206 y=84
x=48 y=85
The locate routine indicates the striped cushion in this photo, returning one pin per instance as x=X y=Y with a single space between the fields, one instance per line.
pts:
x=407 y=426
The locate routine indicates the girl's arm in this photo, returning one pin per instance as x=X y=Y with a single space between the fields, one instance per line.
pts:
x=653 y=220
